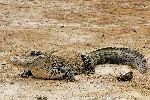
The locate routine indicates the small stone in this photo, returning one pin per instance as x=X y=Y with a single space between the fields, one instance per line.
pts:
x=61 y=26
x=11 y=82
x=125 y=77
x=134 y=30
x=103 y=35
x=3 y=64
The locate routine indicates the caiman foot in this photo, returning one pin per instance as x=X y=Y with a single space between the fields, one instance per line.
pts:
x=25 y=74
x=69 y=76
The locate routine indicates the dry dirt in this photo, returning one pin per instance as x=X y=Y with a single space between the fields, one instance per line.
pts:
x=79 y=25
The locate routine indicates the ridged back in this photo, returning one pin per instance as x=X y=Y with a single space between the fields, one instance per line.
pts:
x=113 y=55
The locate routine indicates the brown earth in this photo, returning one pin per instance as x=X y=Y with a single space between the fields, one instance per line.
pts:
x=79 y=25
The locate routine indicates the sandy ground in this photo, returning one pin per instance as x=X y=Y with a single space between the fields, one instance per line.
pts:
x=79 y=25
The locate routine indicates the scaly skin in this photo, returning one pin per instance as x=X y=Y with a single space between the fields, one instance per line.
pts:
x=50 y=66
x=109 y=55
x=44 y=66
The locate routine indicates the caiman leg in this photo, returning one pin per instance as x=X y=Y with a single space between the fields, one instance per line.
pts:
x=25 y=74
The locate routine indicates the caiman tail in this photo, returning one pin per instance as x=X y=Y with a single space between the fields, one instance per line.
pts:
x=113 y=55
